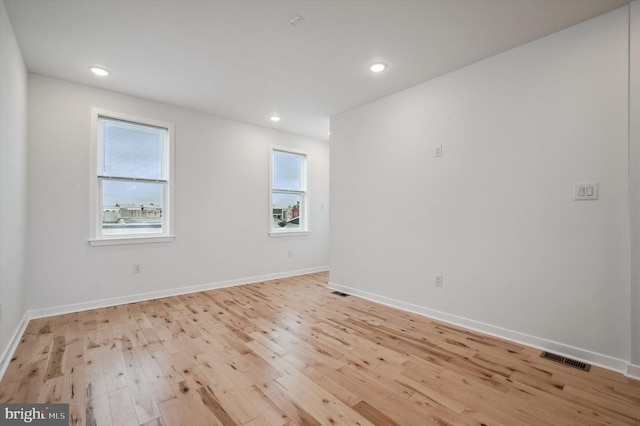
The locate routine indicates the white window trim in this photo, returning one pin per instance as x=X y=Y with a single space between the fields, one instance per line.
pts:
x=289 y=232
x=96 y=238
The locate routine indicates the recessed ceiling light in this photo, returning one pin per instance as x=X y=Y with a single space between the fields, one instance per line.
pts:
x=378 y=67
x=274 y=118
x=99 y=71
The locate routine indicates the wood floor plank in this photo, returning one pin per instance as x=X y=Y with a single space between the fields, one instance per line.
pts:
x=269 y=412
x=114 y=372
x=213 y=404
x=122 y=410
x=227 y=394
x=289 y=352
x=54 y=366
x=566 y=409
x=172 y=413
x=31 y=383
x=192 y=405
x=143 y=402
x=74 y=394
x=373 y=415
x=97 y=410
x=158 y=382
x=320 y=403
x=343 y=394
x=52 y=390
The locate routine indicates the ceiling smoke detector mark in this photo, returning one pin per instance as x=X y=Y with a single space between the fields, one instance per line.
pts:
x=566 y=361
x=296 y=20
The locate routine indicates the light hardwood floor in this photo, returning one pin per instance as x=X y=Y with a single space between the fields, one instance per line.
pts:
x=290 y=352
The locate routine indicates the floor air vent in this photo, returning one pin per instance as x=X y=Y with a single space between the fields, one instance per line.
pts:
x=339 y=293
x=566 y=361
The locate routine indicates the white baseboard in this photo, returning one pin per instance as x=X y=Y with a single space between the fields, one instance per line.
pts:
x=583 y=355
x=633 y=371
x=5 y=359
x=104 y=303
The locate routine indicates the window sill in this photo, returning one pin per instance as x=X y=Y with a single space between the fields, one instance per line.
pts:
x=288 y=233
x=131 y=240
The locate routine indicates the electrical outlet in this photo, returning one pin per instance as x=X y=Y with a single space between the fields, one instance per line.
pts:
x=437 y=152
x=438 y=280
x=290 y=253
x=137 y=268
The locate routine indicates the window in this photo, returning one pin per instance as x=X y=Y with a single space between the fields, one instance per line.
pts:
x=132 y=188
x=288 y=203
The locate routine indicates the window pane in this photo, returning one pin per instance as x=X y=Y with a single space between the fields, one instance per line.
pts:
x=132 y=150
x=131 y=207
x=286 y=210
x=287 y=171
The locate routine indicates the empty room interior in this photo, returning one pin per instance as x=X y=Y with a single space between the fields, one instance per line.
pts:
x=320 y=212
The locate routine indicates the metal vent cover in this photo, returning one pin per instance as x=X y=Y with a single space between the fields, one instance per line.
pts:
x=566 y=361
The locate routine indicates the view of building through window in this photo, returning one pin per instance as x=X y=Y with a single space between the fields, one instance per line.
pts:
x=131 y=205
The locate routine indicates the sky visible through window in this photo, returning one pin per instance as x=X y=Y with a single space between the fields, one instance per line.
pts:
x=132 y=151
x=131 y=193
x=287 y=175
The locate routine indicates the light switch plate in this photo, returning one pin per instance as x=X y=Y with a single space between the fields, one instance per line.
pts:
x=586 y=191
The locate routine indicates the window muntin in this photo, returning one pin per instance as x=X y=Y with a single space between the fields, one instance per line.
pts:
x=132 y=173
x=288 y=191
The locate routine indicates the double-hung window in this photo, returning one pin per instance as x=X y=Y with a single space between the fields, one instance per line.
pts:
x=288 y=201
x=132 y=185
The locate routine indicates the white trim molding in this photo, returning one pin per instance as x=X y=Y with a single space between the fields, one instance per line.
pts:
x=141 y=297
x=634 y=184
x=633 y=371
x=6 y=357
x=131 y=240
x=302 y=192
x=96 y=235
x=593 y=358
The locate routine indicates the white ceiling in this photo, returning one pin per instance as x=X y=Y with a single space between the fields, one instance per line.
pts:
x=243 y=59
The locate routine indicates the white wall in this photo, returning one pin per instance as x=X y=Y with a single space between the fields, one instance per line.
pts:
x=13 y=183
x=222 y=212
x=495 y=215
